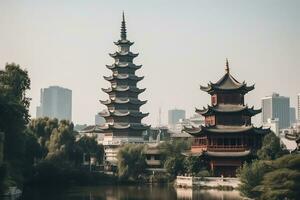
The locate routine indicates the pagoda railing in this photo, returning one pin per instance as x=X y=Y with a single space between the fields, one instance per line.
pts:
x=220 y=148
x=228 y=148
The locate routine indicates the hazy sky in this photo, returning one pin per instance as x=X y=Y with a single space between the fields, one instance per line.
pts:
x=182 y=44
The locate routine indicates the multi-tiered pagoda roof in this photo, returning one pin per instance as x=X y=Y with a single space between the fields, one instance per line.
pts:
x=123 y=116
x=227 y=83
x=227 y=86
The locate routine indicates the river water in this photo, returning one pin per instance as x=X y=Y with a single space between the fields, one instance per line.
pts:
x=129 y=193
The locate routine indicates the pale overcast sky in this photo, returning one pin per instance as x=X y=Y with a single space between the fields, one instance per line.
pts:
x=182 y=44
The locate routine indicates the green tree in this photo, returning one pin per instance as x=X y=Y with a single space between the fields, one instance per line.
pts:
x=277 y=179
x=42 y=128
x=251 y=175
x=89 y=146
x=271 y=148
x=14 y=116
x=61 y=142
x=173 y=148
x=174 y=165
x=284 y=180
x=14 y=104
x=131 y=161
x=172 y=157
x=193 y=164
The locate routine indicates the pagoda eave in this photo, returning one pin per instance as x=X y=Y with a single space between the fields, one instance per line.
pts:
x=212 y=88
x=124 y=126
x=123 y=89
x=210 y=110
x=227 y=154
x=119 y=54
x=123 y=101
x=119 y=42
x=194 y=131
x=123 y=65
x=222 y=129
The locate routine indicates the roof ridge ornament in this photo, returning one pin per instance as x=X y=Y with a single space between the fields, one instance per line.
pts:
x=227 y=66
x=123 y=28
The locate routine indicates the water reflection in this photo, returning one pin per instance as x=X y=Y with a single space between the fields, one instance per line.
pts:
x=129 y=193
x=190 y=194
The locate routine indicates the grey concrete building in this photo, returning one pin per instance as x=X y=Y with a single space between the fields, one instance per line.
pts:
x=276 y=106
x=55 y=102
x=174 y=116
x=292 y=115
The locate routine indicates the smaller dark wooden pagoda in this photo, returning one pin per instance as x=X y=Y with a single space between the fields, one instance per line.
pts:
x=228 y=137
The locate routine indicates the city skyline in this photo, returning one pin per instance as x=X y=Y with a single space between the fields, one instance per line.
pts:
x=182 y=50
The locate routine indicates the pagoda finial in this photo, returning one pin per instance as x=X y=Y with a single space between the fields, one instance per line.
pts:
x=227 y=66
x=123 y=28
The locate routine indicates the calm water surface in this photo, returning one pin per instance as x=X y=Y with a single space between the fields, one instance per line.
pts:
x=130 y=193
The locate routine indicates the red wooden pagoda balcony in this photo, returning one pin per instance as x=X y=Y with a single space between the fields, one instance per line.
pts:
x=220 y=148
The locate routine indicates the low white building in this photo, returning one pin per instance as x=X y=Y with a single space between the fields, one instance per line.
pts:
x=273 y=124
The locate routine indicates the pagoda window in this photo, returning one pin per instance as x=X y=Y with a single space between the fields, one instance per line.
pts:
x=124 y=49
x=230 y=120
x=238 y=141
x=210 y=120
x=214 y=100
x=230 y=98
x=111 y=108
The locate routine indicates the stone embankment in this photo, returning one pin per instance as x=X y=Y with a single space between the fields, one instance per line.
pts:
x=207 y=182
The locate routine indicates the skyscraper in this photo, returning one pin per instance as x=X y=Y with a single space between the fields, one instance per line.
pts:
x=55 y=102
x=174 y=116
x=292 y=115
x=298 y=110
x=276 y=106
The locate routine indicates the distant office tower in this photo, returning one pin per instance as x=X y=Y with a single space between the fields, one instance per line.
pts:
x=55 y=102
x=276 y=106
x=292 y=115
x=298 y=100
x=174 y=116
x=99 y=120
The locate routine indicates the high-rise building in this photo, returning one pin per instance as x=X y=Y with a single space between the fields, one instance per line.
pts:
x=276 y=106
x=292 y=115
x=228 y=137
x=123 y=117
x=55 y=102
x=298 y=110
x=174 y=116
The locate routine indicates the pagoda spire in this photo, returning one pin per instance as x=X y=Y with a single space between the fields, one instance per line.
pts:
x=123 y=28
x=227 y=66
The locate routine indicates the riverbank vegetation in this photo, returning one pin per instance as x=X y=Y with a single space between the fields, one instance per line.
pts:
x=132 y=164
x=38 y=151
x=274 y=175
